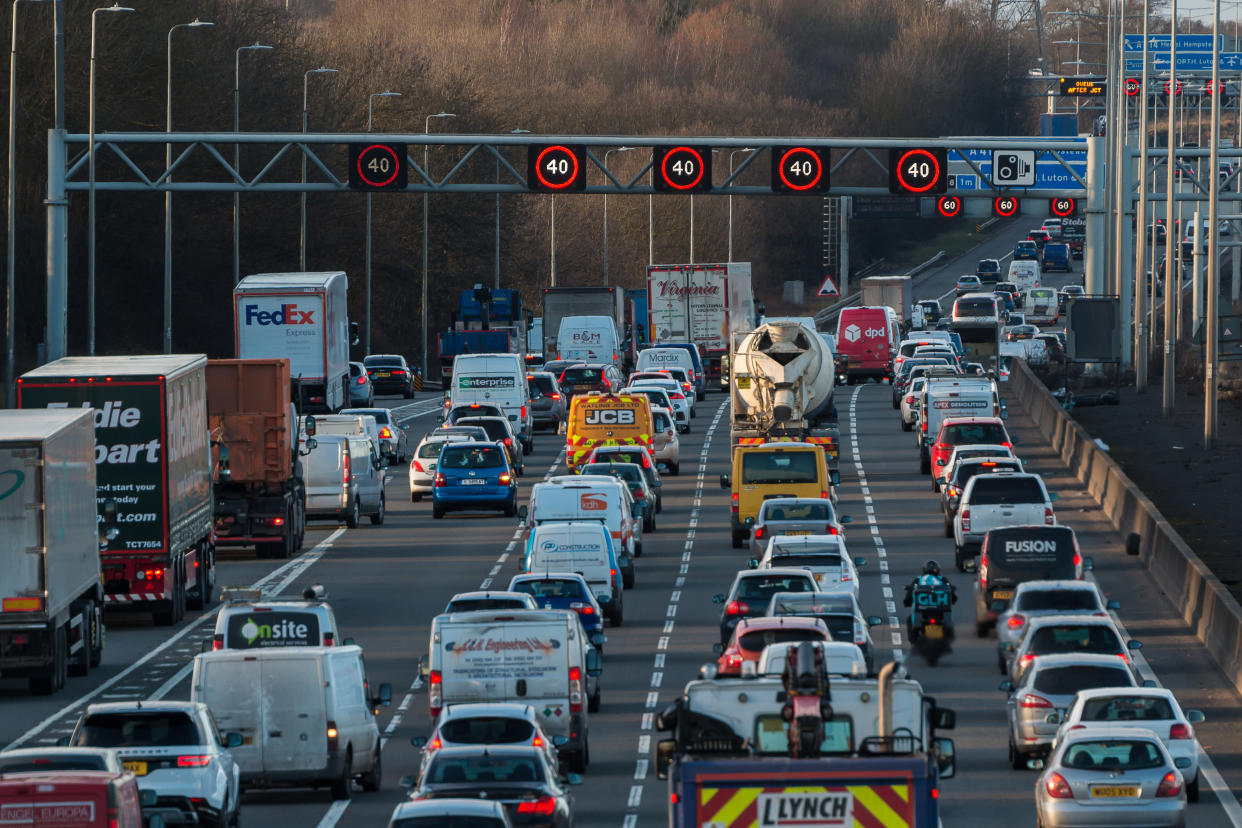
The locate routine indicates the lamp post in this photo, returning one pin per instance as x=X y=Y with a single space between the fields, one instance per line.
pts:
x=322 y=70
x=193 y=24
x=1172 y=271
x=366 y=342
x=518 y=131
x=254 y=47
x=606 y=154
x=90 y=244
x=426 y=207
x=731 y=154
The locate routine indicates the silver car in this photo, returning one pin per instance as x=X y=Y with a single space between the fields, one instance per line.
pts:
x=394 y=440
x=1114 y=777
x=1038 y=599
x=840 y=613
x=1057 y=634
x=1038 y=703
x=794 y=516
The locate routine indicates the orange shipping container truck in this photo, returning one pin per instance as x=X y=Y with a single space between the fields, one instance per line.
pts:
x=260 y=495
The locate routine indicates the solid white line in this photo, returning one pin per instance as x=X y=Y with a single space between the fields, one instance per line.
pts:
x=334 y=814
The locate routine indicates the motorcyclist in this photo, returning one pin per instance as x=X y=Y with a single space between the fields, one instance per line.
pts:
x=930 y=577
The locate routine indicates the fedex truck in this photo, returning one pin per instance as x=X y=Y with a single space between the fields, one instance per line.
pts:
x=301 y=317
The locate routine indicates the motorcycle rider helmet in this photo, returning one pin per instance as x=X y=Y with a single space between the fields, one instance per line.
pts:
x=931 y=568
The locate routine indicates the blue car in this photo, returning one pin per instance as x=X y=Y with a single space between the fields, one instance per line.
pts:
x=473 y=476
x=567 y=591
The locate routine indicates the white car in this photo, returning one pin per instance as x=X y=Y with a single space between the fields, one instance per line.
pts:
x=683 y=407
x=660 y=398
x=176 y=750
x=991 y=501
x=423 y=462
x=910 y=403
x=968 y=451
x=487 y=723
x=824 y=556
x=665 y=441
x=1153 y=708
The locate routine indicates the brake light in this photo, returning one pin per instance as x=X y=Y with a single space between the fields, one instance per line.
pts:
x=333 y=734
x=1026 y=660
x=435 y=693
x=523 y=412
x=397 y=372
x=824 y=495
x=555 y=396
x=418 y=467
x=537 y=741
x=1169 y=786
x=385 y=433
x=362 y=380
x=910 y=400
x=1030 y=700
x=543 y=806
x=575 y=690
x=1050 y=519
x=640 y=495
x=737 y=608
x=440 y=480
x=1180 y=731
x=677 y=396
x=612 y=573
x=735 y=505
x=1077 y=560
x=1058 y=788
x=436 y=744
x=328 y=639
x=505 y=479
x=508 y=441
x=345 y=470
x=965 y=520
x=760 y=531
x=217 y=642
x=832 y=530
x=732 y=661
x=1016 y=620
x=193 y=761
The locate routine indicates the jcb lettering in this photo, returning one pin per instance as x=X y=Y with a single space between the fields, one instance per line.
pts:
x=610 y=416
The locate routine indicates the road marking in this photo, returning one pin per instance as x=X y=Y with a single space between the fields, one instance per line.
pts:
x=334 y=814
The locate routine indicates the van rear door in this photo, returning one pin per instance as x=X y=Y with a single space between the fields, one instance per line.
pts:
x=46 y=801
x=232 y=688
x=295 y=721
x=326 y=487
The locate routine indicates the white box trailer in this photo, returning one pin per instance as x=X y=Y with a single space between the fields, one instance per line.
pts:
x=304 y=318
x=701 y=303
x=51 y=593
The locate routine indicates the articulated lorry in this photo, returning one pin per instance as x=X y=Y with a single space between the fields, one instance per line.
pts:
x=873 y=757
x=259 y=492
x=152 y=466
x=705 y=304
x=51 y=597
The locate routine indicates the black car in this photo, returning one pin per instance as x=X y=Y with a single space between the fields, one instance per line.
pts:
x=584 y=378
x=517 y=776
x=390 y=374
x=988 y=270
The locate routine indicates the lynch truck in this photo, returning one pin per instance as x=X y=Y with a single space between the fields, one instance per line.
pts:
x=560 y=302
x=259 y=492
x=152 y=465
x=891 y=291
x=701 y=303
x=874 y=758
x=51 y=598
x=301 y=317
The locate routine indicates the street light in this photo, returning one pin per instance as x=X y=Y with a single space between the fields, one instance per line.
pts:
x=193 y=24
x=366 y=344
x=426 y=207
x=322 y=70
x=90 y=244
x=237 y=153
x=731 y=154
x=606 y=154
x=518 y=131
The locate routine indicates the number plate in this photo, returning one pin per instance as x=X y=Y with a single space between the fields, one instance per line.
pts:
x=1002 y=594
x=136 y=768
x=472 y=481
x=383 y=374
x=796 y=532
x=1114 y=791
x=933 y=632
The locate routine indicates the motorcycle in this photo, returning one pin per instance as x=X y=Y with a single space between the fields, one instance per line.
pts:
x=931 y=621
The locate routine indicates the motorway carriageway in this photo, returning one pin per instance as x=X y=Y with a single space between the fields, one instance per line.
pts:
x=387 y=582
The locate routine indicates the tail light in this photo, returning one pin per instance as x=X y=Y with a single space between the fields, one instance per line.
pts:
x=385 y=433
x=732 y=661
x=832 y=530
x=824 y=495
x=1025 y=661
x=435 y=744
x=508 y=441
x=333 y=735
x=860 y=638
x=217 y=642
x=737 y=608
x=925 y=426
x=435 y=693
x=910 y=400
x=199 y=761
x=954 y=492
x=1016 y=620
x=537 y=741
x=575 y=690
x=735 y=505
x=275 y=521
x=1058 y=788
x=397 y=372
x=1049 y=519
x=505 y=479
x=612 y=573
x=1077 y=560
x=582 y=608
x=440 y=480
x=329 y=639
x=417 y=466
x=362 y=380
x=1171 y=785
x=1180 y=731
x=677 y=396
x=345 y=470
x=555 y=396
x=1030 y=701
x=640 y=495
x=965 y=520
x=543 y=806
x=760 y=532
x=523 y=412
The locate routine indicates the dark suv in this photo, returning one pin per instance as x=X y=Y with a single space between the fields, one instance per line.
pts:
x=583 y=379
x=390 y=375
x=988 y=270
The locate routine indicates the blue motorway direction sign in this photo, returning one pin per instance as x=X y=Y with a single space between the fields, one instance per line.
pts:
x=1186 y=62
x=1160 y=42
x=1049 y=174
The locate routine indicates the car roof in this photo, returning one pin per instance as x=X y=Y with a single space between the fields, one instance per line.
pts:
x=522 y=577
x=743 y=574
x=146 y=706
x=1078 y=659
x=489 y=593
x=1057 y=584
x=805 y=540
x=56 y=750
x=1152 y=692
x=1093 y=620
x=503 y=749
x=785 y=501
x=776 y=622
x=1094 y=732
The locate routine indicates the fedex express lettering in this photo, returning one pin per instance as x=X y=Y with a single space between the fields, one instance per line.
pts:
x=610 y=416
x=813 y=809
x=287 y=315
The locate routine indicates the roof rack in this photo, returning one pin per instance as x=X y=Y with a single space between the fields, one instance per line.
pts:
x=237 y=594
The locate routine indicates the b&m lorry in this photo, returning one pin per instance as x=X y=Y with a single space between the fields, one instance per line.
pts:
x=152 y=466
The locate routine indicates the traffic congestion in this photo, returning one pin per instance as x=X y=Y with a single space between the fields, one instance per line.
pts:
x=614 y=594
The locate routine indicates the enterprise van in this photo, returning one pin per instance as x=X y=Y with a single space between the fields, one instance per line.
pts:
x=760 y=472
x=584 y=548
x=498 y=379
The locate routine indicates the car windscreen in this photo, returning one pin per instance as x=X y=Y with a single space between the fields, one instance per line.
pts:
x=472 y=604
x=965 y=471
x=485 y=769
x=542 y=384
x=46 y=764
x=471 y=456
x=581 y=375
x=162 y=728
x=760 y=467
x=1112 y=755
x=966 y=433
x=1126 y=708
x=486 y=730
x=550 y=588
x=383 y=361
x=975 y=307
x=621 y=470
x=382 y=415
x=1006 y=490
x=811 y=604
x=479 y=410
x=763 y=587
x=1068 y=680
x=495 y=430
x=611 y=456
x=757 y=640
x=1077 y=638
x=818 y=510
x=1057 y=600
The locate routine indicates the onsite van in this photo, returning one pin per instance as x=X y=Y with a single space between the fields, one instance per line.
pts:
x=1025 y=274
x=247 y=622
x=606 y=420
x=867 y=340
x=70 y=799
x=536 y=657
x=760 y=472
x=581 y=547
x=1013 y=554
x=589 y=339
x=498 y=379
x=1042 y=306
x=305 y=714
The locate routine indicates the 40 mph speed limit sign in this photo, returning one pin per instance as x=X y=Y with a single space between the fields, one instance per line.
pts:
x=377 y=167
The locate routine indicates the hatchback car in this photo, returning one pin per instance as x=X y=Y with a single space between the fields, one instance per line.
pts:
x=488 y=599
x=682 y=406
x=753 y=634
x=961 y=431
x=1018 y=333
x=824 y=556
x=517 y=776
x=460 y=412
x=488 y=723
x=628 y=454
x=751 y=592
x=584 y=378
x=473 y=476
x=839 y=611
x=390 y=374
x=50 y=759
x=1025 y=250
x=500 y=430
x=955 y=482
x=840 y=659
x=567 y=591
x=988 y=270
x=793 y=516
x=967 y=283
x=547 y=404
x=394 y=439
x=666 y=444
x=1037 y=599
x=361 y=391
x=640 y=489
x=422 y=470
x=1054 y=634
x=660 y=397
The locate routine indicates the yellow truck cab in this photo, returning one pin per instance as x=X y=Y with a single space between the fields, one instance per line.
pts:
x=778 y=469
x=606 y=420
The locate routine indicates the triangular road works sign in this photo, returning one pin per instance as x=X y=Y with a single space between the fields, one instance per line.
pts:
x=828 y=288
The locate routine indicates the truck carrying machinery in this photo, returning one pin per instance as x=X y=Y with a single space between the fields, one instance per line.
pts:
x=152 y=465
x=804 y=749
x=51 y=598
x=783 y=380
x=259 y=492
x=890 y=291
x=701 y=303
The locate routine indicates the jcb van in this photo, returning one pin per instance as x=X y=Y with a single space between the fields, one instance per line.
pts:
x=606 y=420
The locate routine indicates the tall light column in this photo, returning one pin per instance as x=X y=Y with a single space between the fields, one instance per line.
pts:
x=1210 y=423
x=426 y=206
x=731 y=154
x=1145 y=236
x=193 y=24
x=90 y=243
x=606 y=154
x=322 y=70
x=366 y=342
x=1172 y=278
x=254 y=47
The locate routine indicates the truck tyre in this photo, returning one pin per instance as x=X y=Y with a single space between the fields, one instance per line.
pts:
x=351 y=520
x=377 y=519
x=340 y=786
x=372 y=779
x=204 y=592
x=97 y=635
x=51 y=678
x=80 y=664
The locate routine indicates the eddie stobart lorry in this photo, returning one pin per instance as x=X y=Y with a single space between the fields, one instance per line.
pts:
x=863 y=750
x=152 y=463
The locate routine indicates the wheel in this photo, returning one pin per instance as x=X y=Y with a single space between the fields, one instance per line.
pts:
x=414 y=498
x=659 y=504
x=618 y=614
x=594 y=702
x=935 y=483
x=739 y=540
x=1192 y=790
x=627 y=578
x=81 y=662
x=948 y=526
x=896 y=403
x=205 y=592
x=372 y=779
x=638 y=550
x=907 y=426
x=692 y=415
x=511 y=507
x=409 y=395
x=1000 y=665
x=340 y=785
x=169 y=612
x=649 y=523
x=1017 y=760
x=578 y=761
x=53 y=676
x=437 y=511
x=674 y=469
x=351 y=520
x=377 y=519
x=960 y=558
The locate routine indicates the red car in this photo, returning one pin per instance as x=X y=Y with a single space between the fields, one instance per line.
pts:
x=751 y=635
x=964 y=431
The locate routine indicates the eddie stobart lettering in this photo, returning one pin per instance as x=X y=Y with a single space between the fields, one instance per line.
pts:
x=813 y=809
x=114 y=414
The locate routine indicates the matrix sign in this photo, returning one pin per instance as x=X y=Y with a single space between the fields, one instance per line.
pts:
x=1006 y=206
x=377 y=167
x=918 y=171
x=1062 y=207
x=1082 y=87
x=682 y=169
x=556 y=168
x=799 y=170
x=949 y=206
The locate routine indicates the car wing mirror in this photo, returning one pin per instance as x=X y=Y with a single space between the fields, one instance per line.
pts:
x=523 y=513
x=1149 y=683
x=308 y=425
x=560 y=740
x=666 y=750
x=946 y=757
x=717 y=648
x=724 y=481
x=574 y=778
x=1035 y=764
x=1134 y=645
x=1005 y=686
x=418 y=741
x=1113 y=605
x=1053 y=497
x=1052 y=718
x=233 y=739
x=718 y=598
x=63 y=741
x=1195 y=717
x=753 y=563
x=147 y=797
x=407 y=782
x=874 y=620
